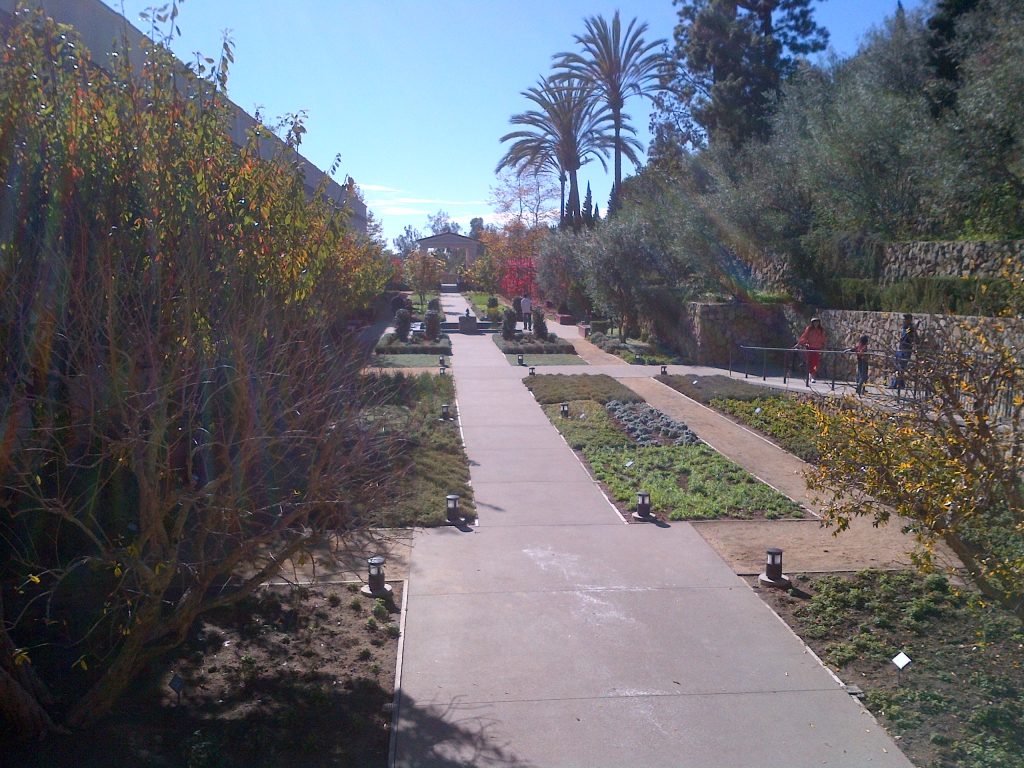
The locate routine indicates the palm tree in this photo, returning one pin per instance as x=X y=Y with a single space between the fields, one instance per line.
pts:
x=566 y=128
x=617 y=66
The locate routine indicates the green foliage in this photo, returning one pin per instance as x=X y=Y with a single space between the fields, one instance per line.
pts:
x=559 y=388
x=540 y=325
x=990 y=297
x=432 y=325
x=546 y=359
x=403 y=323
x=588 y=427
x=687 y=482
x=380 y=610
x=508 y=325
x=530 y=343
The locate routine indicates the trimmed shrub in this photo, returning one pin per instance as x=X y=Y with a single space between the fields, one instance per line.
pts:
x=517 y=305
x=432 y=325
x=492 y=302
x=434 y=305
x=403 y=322
x=530 y=344
x=540 y=325
x=508 y=325
x=599 y=326
x=397 y=302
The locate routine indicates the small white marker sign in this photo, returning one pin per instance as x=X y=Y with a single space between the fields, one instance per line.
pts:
x=901 y=660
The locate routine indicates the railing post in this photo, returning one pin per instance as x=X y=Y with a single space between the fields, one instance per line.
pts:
x=764 y=365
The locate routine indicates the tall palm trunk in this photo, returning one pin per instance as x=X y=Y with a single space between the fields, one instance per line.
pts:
x=617 y=123
x=574 y=201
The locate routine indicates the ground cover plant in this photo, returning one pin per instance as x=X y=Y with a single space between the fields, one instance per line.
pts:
x=959 y=704
x=628 y=452
x=560 y=388
x=790 y=420
x=432 y=462
x=290 y=676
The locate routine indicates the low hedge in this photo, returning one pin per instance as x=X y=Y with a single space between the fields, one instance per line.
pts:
x=530 y=345
x=417 y=345
x=987 y=297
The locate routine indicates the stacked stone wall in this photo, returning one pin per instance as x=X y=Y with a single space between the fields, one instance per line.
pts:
x=956 y=259
x=717 y=331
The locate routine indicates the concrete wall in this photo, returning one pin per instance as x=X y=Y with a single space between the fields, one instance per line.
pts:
x=104 y=32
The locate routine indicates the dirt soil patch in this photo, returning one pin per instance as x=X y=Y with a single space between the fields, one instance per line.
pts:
x=297 y=676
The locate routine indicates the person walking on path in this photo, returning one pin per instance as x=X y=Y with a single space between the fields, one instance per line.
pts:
x=860 y=349
x=527 y=308
x=812 y=340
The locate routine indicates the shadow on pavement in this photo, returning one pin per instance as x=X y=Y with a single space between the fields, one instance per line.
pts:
x=451 y=735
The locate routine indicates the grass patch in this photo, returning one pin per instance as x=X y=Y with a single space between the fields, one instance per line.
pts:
x=961 y=703
x=432 y=461
x=704 y=389
x=553 y=359
x=790 y=421
x=478 y=301
x=406 y=361
x=560 y=388
x=589 y=427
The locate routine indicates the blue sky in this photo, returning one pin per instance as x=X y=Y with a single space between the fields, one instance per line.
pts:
x=414 y=95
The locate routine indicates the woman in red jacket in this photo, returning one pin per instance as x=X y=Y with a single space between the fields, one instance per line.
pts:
x=813 y=340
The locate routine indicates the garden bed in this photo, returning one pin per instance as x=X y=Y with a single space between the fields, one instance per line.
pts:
x=529 y=344
x=959 y=703
x=630 y=446
x=787 y=419
x=389 y=344
x=546 y=359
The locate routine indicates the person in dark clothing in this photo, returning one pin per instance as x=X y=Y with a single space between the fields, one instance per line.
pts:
x=904 y=350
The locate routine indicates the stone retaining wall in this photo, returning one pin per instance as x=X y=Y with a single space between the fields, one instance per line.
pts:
x=715 y=332
x=958 y=259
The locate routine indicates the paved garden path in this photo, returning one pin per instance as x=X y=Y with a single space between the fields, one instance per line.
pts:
x=552 y=634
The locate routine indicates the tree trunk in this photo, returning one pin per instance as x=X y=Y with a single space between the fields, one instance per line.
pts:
x=617 y=120
x=22 y=693
x=574 y=201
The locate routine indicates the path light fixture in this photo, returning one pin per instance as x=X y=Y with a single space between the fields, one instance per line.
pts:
x=519 y=359
x=446 y=411
x=452 y=509
x=643 y=506
x=533 y=371
x=664 y=370
x=773 y=575
x=375 y=586
x=638 y=359
x=442 y=371
x=564 y=410
x=440 y=361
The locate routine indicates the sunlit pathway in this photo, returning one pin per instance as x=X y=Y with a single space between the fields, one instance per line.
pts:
x=552 y=634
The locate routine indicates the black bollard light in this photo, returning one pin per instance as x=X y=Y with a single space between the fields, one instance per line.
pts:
x=664 y=370
x=446 y=412
x=452 y=509
x=519 y=359
x=643 y=506
x=533 y=371
x=773 y=575
x=375 y=585
x=564 y=409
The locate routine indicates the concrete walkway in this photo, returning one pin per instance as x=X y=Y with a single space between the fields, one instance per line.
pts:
x=552 y=634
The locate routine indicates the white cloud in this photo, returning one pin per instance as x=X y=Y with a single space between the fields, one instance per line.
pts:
x=378 y=188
